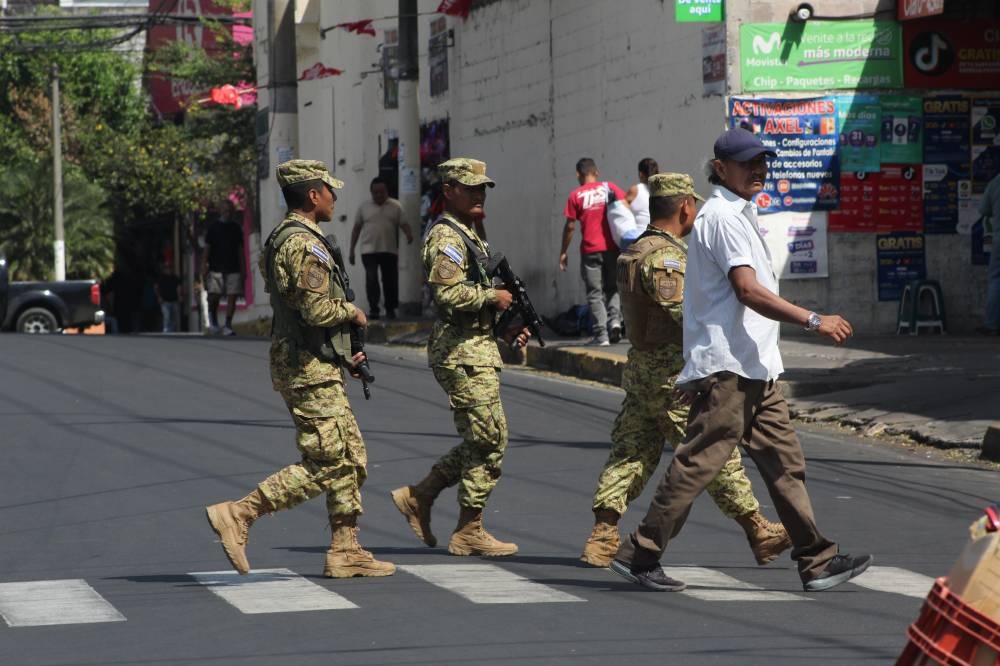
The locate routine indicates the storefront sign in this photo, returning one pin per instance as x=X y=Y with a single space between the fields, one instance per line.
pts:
x=696 y=11
x=985 y=142
x=713 y=60
x=911 y=9
x=819 y=55
x=858 y=121
x=947 y=131
x=943 y=54
x=797 y=243
x=901 y=134
x=900 y=259
x=858 y=210
x=803 y=132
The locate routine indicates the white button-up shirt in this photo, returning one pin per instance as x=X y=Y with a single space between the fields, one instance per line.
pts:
x=720 y=333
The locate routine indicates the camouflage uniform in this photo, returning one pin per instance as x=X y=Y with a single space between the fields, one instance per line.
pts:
x=465 y=359
x=649 y=415
x=327 y=435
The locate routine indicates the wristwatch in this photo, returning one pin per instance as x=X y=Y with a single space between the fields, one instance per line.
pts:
x=813 y=322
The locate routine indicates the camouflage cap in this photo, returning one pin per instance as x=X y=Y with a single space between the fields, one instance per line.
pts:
x=671 y=185
x=466 y=171
x=298 y=171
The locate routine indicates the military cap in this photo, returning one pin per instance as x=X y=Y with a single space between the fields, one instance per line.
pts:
x=671 y=185
x=298 y=171
x=466 y=171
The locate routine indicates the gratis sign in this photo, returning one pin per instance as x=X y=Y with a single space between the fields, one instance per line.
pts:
x=698 y=11
x=821 y=55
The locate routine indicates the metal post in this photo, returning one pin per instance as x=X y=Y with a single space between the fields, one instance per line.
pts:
x=57 y=203
x=410 y=271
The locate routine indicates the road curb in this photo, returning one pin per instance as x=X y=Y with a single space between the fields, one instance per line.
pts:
x=991 y=444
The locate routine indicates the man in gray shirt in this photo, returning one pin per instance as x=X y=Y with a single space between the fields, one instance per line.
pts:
x=731 y=365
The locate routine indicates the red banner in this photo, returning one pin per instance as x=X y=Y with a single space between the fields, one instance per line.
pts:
x=363 y=27
x=319 y=71
x=943 y=54
x=858 y=210
x=900 y=198
x=455 y=7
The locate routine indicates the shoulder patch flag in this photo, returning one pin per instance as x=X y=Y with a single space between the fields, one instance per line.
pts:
x=672 y=263
x=320 y=252
x=453 y=253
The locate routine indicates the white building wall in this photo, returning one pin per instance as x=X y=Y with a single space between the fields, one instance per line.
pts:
x=536 y=84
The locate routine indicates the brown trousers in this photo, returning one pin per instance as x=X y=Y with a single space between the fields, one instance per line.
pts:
x=729 y=410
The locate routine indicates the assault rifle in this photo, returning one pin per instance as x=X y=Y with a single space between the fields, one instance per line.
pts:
x=498 y=267
x=357 y=332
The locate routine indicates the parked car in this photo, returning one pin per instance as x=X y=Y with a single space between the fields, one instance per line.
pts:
x=48 y=307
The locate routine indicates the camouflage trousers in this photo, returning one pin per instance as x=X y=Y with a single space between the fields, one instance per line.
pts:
x=649 y=417
x=474 y=396
x=333 y=453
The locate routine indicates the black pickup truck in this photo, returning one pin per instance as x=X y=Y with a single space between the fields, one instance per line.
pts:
x=48 y=307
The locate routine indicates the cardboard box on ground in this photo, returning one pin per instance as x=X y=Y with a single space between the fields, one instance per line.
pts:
x=975 y=577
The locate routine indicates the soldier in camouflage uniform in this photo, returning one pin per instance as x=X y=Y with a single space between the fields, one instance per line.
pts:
x=310 y=349
x=651 y=283
x=465 y=359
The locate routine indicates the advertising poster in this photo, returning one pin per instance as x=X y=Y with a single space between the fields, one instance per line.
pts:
x=901 y=258
x=797 y=243
x=694 y=11
x=946 y=54
x=859 y=123
x=821 y=55
x=900 y=198
x=901 y=135
x=713 y=60
x=985 y=142
x=858 y=210
x=805 y=175
x=437 y=56
x=947 y=133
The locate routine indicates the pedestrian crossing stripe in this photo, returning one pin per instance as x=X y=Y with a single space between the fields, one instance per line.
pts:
x=488 y=584
x=270 y=591
x=50 y=602
x=711 y=585
x=895 y=580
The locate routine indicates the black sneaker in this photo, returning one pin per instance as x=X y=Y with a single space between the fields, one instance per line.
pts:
x=841 y=569
x=616 y=334
x=653 y=578
x=373 y=315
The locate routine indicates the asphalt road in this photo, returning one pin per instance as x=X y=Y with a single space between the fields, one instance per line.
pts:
x=113 y=445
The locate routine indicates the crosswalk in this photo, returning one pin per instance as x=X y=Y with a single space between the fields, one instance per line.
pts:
x=74 y=601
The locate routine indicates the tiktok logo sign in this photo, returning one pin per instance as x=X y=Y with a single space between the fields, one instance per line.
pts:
x=931 y=53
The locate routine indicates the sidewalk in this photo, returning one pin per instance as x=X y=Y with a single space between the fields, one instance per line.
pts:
x=938 y=390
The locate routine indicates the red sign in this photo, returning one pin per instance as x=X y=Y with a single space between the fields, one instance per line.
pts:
x=942 y=54
x=858 y=210
x=169 y=95
x=911 y=9
x=900 y=198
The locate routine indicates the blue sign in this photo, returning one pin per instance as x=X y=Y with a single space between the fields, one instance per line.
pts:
x=901 y=259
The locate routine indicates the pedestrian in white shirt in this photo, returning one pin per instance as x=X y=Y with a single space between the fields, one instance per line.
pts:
x=731 y=319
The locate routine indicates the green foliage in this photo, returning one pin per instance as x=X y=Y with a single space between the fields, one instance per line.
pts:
x=27 y=227
x=126 y=162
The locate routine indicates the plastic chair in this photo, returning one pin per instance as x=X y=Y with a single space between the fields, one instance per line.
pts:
x=921 y=305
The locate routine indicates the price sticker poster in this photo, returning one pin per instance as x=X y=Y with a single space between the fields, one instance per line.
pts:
x=947 y=161
x=805 y=175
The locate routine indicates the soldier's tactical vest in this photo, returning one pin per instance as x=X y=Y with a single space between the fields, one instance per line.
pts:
x=330 y=344
x=475 y=274
x=647 y=325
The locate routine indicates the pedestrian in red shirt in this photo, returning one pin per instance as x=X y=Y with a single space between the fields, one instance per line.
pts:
x=588 y=204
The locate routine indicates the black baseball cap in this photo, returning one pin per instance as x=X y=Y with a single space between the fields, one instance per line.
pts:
x=740 y=145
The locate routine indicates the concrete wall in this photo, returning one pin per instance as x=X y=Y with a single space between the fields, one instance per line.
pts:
x=536 y=84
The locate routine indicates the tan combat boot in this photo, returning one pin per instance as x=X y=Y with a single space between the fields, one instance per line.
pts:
x=414 y=502
x=232 y=521
x=603 y=543
x=471 y=538
x=346 y=558
x=767 y=539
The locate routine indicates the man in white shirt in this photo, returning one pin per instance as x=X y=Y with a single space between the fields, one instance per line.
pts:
x=377 y=225
x=731 y=320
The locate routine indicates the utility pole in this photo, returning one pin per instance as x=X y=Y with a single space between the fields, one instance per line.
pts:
x=410 y=271
x=57 y=202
